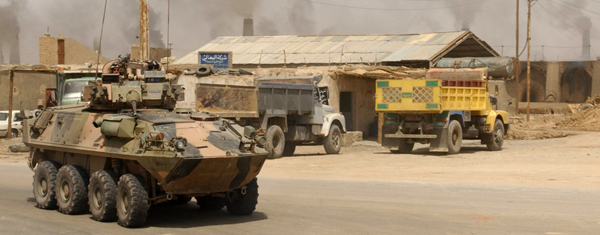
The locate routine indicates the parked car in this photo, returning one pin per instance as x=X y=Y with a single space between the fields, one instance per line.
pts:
x=17 y=126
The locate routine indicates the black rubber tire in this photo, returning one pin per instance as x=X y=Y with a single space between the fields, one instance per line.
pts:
x=497 y=137
x=132 y=201
x=455 y=135
x=203 y=71
x=243 y=204
x=403 y=146
x=333 y=141
x=71 y=190
x=208 y=203
x=102 y=196
x=44 y=183
x=275 y=142
x=181 y=200
x=289 y=149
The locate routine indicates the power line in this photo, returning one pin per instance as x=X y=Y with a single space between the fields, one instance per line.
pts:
x=577 y=7
x=574 y=23
x=394 y=9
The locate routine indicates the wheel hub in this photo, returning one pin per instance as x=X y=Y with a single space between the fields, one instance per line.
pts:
x=98 y=197
x=125 y=204
x=43 y=187
x=65 y=191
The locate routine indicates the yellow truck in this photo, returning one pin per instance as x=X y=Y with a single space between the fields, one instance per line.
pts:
x=442 y=109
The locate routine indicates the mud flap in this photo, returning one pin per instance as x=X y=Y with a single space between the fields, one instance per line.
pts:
x=439 y=144
x=389 y=129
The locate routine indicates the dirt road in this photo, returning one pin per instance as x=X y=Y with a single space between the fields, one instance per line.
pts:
x=570 y=162
x=547 y=186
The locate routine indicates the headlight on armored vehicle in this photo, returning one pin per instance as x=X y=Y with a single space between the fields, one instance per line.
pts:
x=180 y=144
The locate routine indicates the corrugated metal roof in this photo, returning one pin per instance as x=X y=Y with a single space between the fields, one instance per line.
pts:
x=335 y=48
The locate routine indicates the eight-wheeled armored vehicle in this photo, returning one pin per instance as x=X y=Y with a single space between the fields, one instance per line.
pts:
x=128 y=150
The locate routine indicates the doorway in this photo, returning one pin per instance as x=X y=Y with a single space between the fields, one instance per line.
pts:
x=346 y=108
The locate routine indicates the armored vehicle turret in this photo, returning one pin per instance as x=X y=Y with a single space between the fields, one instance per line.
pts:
x=128 y=150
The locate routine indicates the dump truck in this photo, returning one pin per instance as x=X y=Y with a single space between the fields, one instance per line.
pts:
x=128 y=150
x=441 y=110
x=289 y=110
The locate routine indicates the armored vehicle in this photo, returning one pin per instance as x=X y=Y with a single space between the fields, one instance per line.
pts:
x=127 y=150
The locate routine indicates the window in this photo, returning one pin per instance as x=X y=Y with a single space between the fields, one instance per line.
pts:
x=3 y=116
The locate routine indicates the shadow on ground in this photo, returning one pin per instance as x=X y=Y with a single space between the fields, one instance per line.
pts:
x=189 y=215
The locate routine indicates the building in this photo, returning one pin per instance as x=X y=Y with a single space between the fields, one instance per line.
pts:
x=350 y=92
x=62 y=50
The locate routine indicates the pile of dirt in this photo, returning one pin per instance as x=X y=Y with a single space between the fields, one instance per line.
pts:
x=520 y=134
x=587 y=120
x=538 y=127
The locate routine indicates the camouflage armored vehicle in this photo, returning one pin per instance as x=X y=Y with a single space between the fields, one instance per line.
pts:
x=128 y=150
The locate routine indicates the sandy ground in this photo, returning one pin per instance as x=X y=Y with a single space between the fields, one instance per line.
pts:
x=570 y=162
x=533 y=157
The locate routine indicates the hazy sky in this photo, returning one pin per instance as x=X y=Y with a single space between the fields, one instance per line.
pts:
x=556 y=24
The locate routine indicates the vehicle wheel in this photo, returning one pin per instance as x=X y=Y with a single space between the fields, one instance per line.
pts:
x=44 y=183
x=102 y=195
x=208 y=203
x=454 y=137
x=497 y=137
x=289 y=149
x=71 y=190
x=403 y=146
x=243 y=201
x=275 y=142
x=181 y=200
x=333 y=141
x=132 y=201
x=15 y=133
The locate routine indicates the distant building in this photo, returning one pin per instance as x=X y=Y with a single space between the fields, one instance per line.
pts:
x=335 y=56
x=155 y=53
x=61 y=50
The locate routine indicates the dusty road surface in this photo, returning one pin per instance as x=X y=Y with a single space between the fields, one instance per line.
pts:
x=531 y=187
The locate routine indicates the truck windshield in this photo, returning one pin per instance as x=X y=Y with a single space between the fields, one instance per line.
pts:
x=3 y=116
x=74 y=87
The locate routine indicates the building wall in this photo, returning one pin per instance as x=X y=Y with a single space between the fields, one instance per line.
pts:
x=29 y=88
x=48 y=50
x=75 y=52
x=155 y=53
x=363 y=98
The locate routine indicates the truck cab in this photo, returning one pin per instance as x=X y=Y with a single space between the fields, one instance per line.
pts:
x=71 y=90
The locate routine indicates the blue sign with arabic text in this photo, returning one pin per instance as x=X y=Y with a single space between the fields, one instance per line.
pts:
x=219 y=60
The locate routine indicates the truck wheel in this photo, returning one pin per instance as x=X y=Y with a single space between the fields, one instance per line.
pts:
x=497 y=137
x=454 y=137
x=208 y=203
x=275 y=142
x=403 y=146
x=132 y=201
x=289 y=149
x=71 y=190
x=333 y=141
x=243 y=201
x=102 y=196
x=44 y=182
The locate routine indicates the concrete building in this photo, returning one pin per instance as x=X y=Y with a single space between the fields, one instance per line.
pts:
x=61 y=50
x=353 y=93
x=155 y=53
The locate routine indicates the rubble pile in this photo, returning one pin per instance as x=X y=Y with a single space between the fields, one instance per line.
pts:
x=588 y=119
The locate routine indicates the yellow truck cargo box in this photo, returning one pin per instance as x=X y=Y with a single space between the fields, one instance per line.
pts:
x=433 y=95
